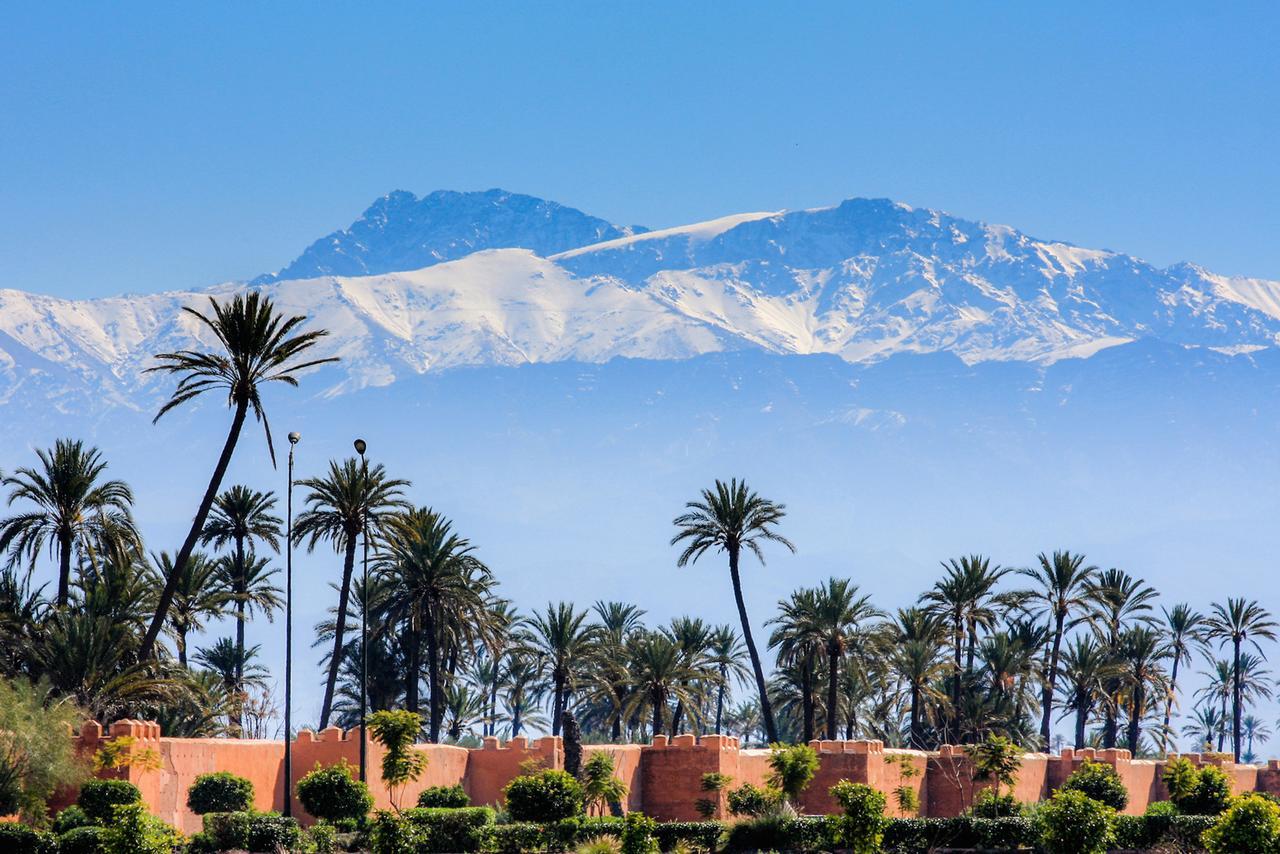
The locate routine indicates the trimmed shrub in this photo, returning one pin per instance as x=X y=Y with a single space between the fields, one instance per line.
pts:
x=443 y=829
x=1250 y=824
x=334 y=795
x=514 y=838
x=1211 y=794
x=702 y=835
x=1074 y=823
x=749 y=800
x=637 y=834
x=220 y=791
x=252 y=831
x=1100 y=782
x=21 y=839
x=87 y=839
x=70 y=818
x=450 y=797
x=862 y=826
x=99 y=798
x=988 y=804
x=545 y=797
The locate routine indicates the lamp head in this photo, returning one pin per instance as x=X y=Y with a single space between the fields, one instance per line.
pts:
x=360 y=446
x=294 y=438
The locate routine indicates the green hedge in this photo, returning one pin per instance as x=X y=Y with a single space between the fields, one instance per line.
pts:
x=250 y=831
x=903 y=835
x=1177 y=832
x=20 y=839
x=439 y=830
x=87 y=839
x=704 y=835
x=99 y=798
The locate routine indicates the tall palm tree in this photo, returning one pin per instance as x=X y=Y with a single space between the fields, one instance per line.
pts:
x=523 y=688
x=1237 y=622
x=1206 y=724
x=241 y=518
x=74 y=508
x=1061 y=590
x=1087 y=667
x=839 y=615
x=565 y=640
x=1255 y=729
x=799 y=646
x=1143 y=650
x=663 y=672
x=431 y=571
x=200 y=595
x=256 y=345
x=725 y=655
x=247 y=580
x=1183 y=628
x=337 y=510
x=237 y=670
x=693 y=637
x=1117 y=601
x=916 y=638
x=728 y=518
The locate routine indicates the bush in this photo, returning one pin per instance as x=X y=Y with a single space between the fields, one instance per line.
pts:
x=334 y=795
x=1073 y=823
x=1160 y=808
x=862 y=826
x=252 y=831
x=220 y=792
x=778 y=832
x=39 y=758
x=1211 y=794
x=599 y=845
x=637 y=834
x=21 y=839
x=988 y=804
x=86 y=839
x=545 y=797
x=1100 y=782
x=793 y=766
x=99 y=798
x=749 y=800
x=135 y=831
x=702 y=835
x=437 y=829
x=444 y=796
x=391 y=834
x=1251 y=824
x=323 y=837
x=514 y=838
x=70 y=818
x=919 y=835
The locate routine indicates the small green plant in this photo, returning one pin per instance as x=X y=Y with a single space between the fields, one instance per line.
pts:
x=88 y=839
x=1180 y=778
x=333 y=794
x=323 y=837
x=1252 y=823
x=390 y=833
x=905 y=794
x=749 y=800
x=713 y=783
x=545 y=797
x=600 y=845
x=1164 y=809
x=396 y=731
x=793 y=767
x=1100 y=782
x=863 y=824
x=600 y=788
x=135 y=831
x=70 y=818
x=997 y=758
x=1074 y=823
x=990 y=805
x=450 y=797
x=637 y=834
x=220 y=791
x=99 y=798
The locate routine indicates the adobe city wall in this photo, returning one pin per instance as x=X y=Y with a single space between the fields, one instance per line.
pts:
x=663 y=779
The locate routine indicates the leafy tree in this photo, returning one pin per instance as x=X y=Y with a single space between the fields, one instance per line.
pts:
x=600 y=788
x=36 y=756
x=401 y=764
x=728 y=518
x=792 y=768
x=997 y=759
x=1100 y=782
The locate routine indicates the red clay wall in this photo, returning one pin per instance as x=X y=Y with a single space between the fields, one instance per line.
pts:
x=664 y=779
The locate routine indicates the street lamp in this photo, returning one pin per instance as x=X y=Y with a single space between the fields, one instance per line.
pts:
x=294 y=438
x=364 y=613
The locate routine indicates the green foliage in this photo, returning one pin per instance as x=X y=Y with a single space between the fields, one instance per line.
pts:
x=220 y=791
x=997 y=758
x=749 y=800
x=863 y=823
x=701 y=835
x=1100 y=782
x=637 y=834
x=36 y=756
x=988 y=804
x=1251 y=824
x=396 y=731
x=599 y=845
x=99 y=798
x=391 y=834
x=1211 y=794
x=333 y=794
x=252 y=831
x=444 y=829
x=1180 y=778
x=793 y=766
x=135 y=831
x=599 y=786
x=444 y=796
x=514 y=838
x=1073 y=823
x=778 y=832
x=921 y=835
x=545 y=797
x=1160 y=808
x=21 y=839
x=70 y=818
x=86 y=839
x=323 y=838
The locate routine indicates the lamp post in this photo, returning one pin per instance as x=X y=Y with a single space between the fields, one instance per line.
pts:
x=294 y=438
x=364 y=613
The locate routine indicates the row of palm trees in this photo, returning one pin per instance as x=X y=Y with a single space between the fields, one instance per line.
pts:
x=986 y=649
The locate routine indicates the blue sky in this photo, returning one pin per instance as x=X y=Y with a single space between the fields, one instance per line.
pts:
x=153 y=146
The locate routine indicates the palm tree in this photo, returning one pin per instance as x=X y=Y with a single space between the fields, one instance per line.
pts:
x=523 y=688
x=728 y=519
x=838 y=616
x=256 y=346
x=1061 y=590
x=431 y=571
x=663 y=673
x=1206 y=724
x=618 y=621
x=1086 y=669
x=1236 y=622
x=1183 y=627
x=74 y=508
x=337 y=509
x=916 y=639
x=725 y=655
x=247 y=579
x=565 y=641
x=241 y=518
x=237 y=670
x=1142 y=651
x=799 y=645
x=693 y=637
x=1116 y=601
x=200 y=595
x=1254 y=729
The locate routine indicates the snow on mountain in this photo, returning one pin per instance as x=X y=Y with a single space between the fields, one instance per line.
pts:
x=864 y=280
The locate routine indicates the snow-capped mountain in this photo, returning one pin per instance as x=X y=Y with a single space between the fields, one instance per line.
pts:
x=863 y=280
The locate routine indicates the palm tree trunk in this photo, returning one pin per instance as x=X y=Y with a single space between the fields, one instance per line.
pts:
x=1235 y=702
x=515 y=718
x=916 y=739
x=659 y=703
x=147 y=650
x=956 y=686
x=833 y=675
x=1052 y=680
x=436 y=699
x=64 y=567
x=1168 y=706
x=677 y=718
x=1135 y=718
x=181 y=643
x=556 y=701
x=339 y=630
x=724 y=674
x=806 y=695
x=414 y=642
x=766 y=710
x=1082 y=715
x=1222 y=723
x=239 y=591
